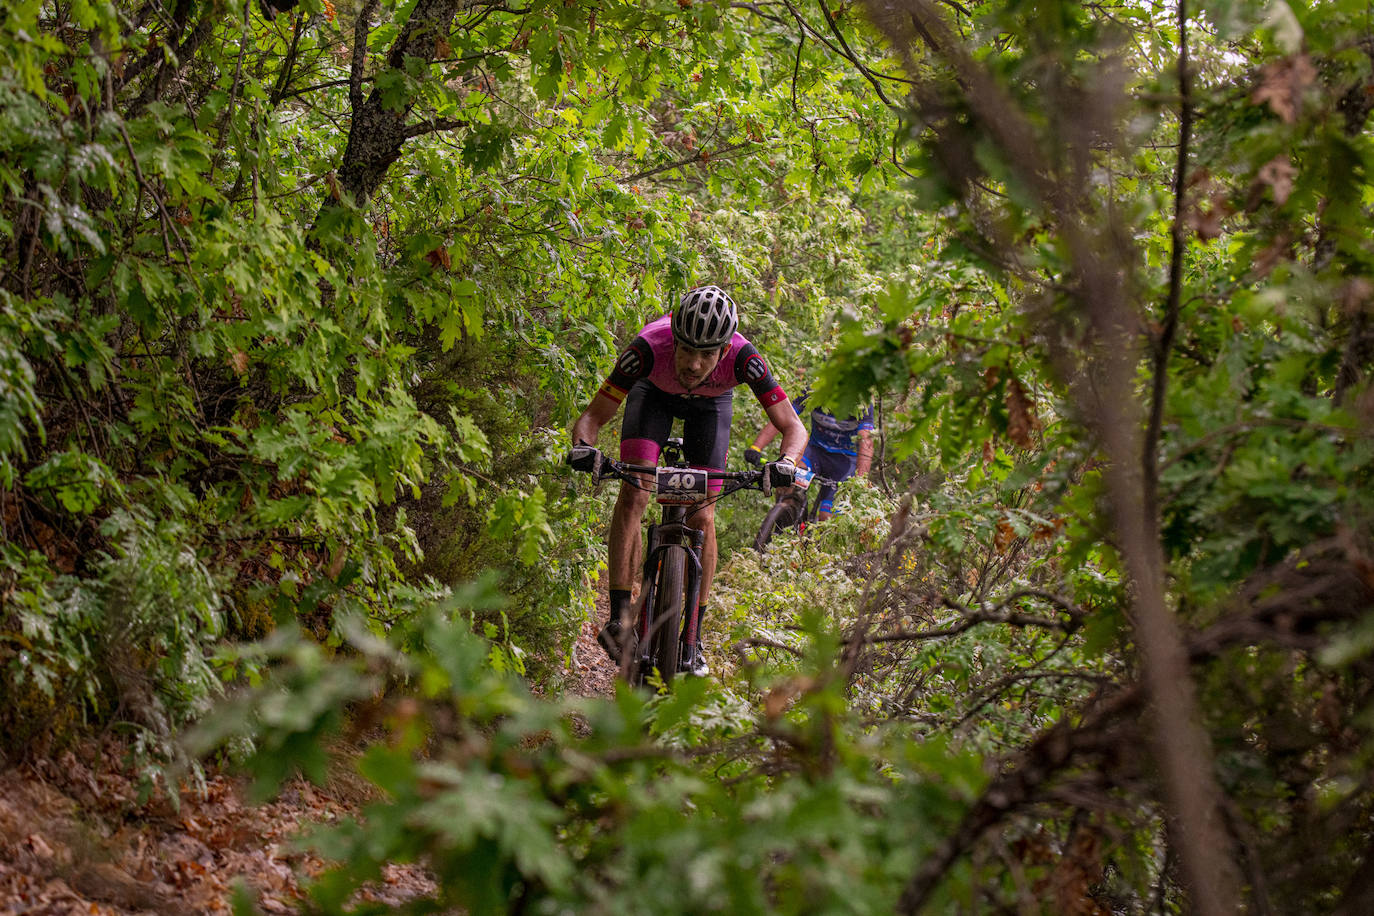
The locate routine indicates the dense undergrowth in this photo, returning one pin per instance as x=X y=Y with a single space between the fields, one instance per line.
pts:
x=794 y=780
x=295 y=311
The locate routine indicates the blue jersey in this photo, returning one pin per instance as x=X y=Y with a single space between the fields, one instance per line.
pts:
x=830 y=433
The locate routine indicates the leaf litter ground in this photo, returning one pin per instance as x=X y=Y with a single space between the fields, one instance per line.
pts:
x=75 y=840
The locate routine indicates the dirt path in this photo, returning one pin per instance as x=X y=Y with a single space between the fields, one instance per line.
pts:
x=591 y=673
x=74 y=840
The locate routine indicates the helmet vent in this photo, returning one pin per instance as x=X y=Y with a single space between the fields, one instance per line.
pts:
x=705 y=318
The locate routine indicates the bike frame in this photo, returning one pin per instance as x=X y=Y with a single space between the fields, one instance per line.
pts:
x=807 y=509
x=670 y=535
x=672 y=558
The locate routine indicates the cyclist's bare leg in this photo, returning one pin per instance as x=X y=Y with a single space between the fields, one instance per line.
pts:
x=705 y=519
x=625 y=552
x=625 y=540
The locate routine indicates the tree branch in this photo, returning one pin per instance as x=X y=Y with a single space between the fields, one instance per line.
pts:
x=1149 y=457
x=182 y=54
x=433 y=125
x=971 y=620
x=1102 y=379
x=358 y=64
x=701 y=155
x=284 y=78
x=379 y=125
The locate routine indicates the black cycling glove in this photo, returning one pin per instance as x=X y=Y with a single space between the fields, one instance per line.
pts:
x=779 y=474
x=584 y=458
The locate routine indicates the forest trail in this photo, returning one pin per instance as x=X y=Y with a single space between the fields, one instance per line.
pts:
x=590 y=672
x=288 y=333
x=74 y=840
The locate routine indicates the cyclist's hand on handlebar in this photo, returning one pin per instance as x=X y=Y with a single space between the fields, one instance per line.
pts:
x=779 y=474
x=585 y=458
x=753 y=456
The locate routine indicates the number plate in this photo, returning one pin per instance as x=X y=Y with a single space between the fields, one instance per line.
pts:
x=804 y=476
x=681 y=486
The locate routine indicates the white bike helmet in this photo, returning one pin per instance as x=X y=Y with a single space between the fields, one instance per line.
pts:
x=705 y=318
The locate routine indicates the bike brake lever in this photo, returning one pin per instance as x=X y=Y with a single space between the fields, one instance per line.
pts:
x=599 y=472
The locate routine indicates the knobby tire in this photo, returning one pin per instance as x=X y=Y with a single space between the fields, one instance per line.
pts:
x=665 y=639
x=662 y=650
x=782 y=515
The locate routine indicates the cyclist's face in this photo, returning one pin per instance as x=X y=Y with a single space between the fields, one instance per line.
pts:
x=694 y=366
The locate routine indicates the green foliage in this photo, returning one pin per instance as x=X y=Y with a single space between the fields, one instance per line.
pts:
x=263 y=375
x=514 y=804
x=126 y=642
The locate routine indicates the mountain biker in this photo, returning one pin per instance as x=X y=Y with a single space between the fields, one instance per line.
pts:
x=836 y=449
x=684 y=365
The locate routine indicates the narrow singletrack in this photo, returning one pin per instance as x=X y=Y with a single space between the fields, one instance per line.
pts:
x=74 y=841
x=590 y=673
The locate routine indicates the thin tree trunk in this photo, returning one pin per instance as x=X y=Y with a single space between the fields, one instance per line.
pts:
x=379 y=128
x=1101 y=372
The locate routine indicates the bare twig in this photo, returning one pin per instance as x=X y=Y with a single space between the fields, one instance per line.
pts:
x=701 y=155
x=1101 y=732
x=1149 y=458
x=758 y=642
x=971 y=620
x=1106 y=395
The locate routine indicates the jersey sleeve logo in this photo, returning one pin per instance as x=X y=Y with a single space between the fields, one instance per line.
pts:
x=612 y=391
x=631 y=363
x=755 y=369
x=777 y=395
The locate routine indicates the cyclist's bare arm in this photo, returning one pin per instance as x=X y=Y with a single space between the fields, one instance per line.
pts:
x=765 y=436
x=784 y=419
x=865 y=459
x=623 y=539
x=598 y=413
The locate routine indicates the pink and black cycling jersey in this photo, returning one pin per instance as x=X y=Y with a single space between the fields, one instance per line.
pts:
x=645 y=378
x=650 y=357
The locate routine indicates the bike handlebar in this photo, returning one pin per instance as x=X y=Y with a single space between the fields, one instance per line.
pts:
x=591 y=460
x=622 y=469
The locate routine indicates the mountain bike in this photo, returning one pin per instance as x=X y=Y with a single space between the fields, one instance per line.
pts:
x=672 y=555
x=793 y=509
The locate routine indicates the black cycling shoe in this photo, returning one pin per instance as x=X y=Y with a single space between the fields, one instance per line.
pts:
x=610 y=639
x=693 y=662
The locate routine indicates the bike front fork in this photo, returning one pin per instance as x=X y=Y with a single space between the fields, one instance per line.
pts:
x=665 y=540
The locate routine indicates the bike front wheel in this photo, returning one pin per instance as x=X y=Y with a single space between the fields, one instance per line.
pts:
x=664 y=646
x=783 y=514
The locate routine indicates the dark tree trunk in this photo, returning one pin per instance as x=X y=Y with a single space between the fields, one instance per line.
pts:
x=185 y=49
x=378 y=132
